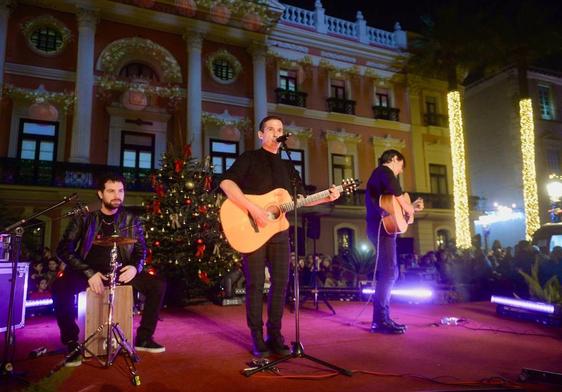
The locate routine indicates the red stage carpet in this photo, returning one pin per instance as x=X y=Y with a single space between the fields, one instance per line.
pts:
x=207 y=347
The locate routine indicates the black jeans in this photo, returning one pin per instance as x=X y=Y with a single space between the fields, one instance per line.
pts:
x=71 y=283
x=387 y=269
x=274 y=254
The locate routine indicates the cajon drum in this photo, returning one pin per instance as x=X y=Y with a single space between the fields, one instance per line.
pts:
x=93 y=311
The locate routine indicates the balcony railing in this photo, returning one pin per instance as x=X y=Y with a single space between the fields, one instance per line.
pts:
x=340 y=105
x=386 y=113
x=67 y=174
x=431 y=200
x=287 y=97
x=436 y=119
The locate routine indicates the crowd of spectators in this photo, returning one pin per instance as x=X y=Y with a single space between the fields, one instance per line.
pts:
x=43 y=271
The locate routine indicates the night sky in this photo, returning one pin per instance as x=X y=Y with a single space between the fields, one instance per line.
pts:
x=380 y=14
x=383 y=14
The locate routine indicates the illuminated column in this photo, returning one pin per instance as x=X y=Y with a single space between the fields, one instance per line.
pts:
x=260 y=86
x=194 y=100
x=530 y=192
x=82 y=122
x=460 y=188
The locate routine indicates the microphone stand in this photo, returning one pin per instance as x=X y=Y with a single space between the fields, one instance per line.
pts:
x=297 y=350
x=16 y=232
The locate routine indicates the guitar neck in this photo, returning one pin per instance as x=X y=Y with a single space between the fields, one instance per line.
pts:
x=289 y=206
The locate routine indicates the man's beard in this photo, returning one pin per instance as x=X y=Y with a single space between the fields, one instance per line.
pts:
x=111 y=206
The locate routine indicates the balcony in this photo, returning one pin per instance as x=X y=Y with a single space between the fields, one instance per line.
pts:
x=436 y=119
x=67 y=174
x=340 y=105
x=431 y=200
x=386 y=113
x=293 y=98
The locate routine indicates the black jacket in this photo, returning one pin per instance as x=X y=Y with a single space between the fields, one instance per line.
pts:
x=79 y=235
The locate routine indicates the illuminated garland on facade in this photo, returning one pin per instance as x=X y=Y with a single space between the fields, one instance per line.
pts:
x=460 y=194
x=111 y=84
x=530 y=192
x=64 y=100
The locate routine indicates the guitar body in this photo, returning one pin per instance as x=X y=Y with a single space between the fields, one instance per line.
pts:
x=242 y=232
x=395 y=221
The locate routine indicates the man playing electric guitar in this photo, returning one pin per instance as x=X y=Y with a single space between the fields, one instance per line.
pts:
x=384 y=181
x=254 y=173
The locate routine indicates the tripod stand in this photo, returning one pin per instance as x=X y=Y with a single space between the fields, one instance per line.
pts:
x=297 y=350
x=115 y=341
x=315 y=292
x=16 y=232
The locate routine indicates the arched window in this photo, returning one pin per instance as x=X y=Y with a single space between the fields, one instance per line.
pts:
x=139 y=71
x=346 y=239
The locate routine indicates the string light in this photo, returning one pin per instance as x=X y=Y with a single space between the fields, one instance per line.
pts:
x=530 y=192
x=460 y=194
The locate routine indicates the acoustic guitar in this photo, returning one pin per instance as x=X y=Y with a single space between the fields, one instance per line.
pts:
x=395 y=220
x=243 y=233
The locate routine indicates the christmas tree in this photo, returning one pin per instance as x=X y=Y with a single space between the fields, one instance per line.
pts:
x=182 y=226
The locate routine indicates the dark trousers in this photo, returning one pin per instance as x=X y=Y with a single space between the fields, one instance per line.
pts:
x=71 y=283
x=275 y=255
x=387 y=269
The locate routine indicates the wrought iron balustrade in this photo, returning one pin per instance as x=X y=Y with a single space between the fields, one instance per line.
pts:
x=431 y=200
x=67 y=174
x=436 y=119
x=386 y=113
x=287 y=97
x=340 y=105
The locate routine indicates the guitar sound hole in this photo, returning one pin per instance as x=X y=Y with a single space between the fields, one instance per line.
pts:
x=274 y=212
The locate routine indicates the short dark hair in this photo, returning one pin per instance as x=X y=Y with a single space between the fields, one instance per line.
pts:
x=266 y=119
x=110 y=177
x=389 y=154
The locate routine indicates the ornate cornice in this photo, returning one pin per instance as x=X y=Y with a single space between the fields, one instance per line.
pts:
x=343 y=136
x=388 y=142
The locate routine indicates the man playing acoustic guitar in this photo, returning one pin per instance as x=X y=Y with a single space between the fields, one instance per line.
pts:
x=255 y=173
x=383 y=183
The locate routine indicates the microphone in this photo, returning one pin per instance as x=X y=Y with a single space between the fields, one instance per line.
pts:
x=79 y=209
x=283 y=138
x=71 y=197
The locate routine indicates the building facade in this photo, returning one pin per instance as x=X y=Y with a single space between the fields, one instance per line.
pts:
x=93 y=85
x=492 y=114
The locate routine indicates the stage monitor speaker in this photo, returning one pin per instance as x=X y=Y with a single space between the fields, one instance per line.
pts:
x=20 y=294
x=313 y=227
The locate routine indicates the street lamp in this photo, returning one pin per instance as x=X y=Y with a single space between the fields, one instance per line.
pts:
x=554 y=190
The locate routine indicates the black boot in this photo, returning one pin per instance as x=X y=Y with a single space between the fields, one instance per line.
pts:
x=397 y=325
x=259 y=348
x=276 y=343
x=386 y=327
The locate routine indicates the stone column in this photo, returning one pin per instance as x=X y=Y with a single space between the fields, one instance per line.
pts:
x=194 y=105
x=4 y=16
x=82 y=122
x=260 y=86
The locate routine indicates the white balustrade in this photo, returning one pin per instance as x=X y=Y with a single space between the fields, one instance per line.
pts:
x=323 y=24
x=298 y=16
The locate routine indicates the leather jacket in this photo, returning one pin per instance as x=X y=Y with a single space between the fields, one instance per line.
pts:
x=80 y=233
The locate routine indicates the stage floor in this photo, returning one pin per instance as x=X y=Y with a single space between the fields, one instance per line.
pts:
x=207 y=347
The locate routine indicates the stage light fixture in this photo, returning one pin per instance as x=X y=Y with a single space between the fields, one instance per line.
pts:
x=34 y=303
x=411 y=293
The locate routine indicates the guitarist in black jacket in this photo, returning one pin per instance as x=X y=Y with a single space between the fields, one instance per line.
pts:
x=257 y=172
x=87 y=265
x=384 y=181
